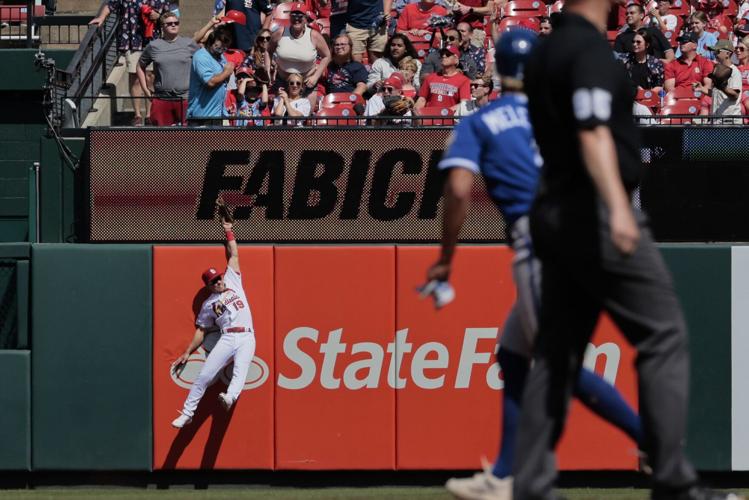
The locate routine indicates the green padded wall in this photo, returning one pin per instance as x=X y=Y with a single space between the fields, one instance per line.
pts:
x=91 y=369
x=702 y=275
x=15 y=410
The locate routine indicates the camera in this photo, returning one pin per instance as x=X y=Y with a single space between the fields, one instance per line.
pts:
x=440 y=22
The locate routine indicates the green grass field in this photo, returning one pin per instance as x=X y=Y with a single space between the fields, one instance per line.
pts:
x=252 y=492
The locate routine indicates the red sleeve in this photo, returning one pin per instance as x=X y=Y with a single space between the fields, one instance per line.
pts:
x=402 y=24
x=707 y=68
x=669 y=72
x=424 y=88
x=465 y=89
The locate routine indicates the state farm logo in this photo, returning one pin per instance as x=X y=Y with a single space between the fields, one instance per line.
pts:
x=430 y=363
x=256 y=375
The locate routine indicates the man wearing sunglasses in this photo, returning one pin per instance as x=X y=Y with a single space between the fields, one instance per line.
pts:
x=171 y=56
x=209 y=75
x=228 y=310
x=447 y=88
x=481 y=88
x=467 y=58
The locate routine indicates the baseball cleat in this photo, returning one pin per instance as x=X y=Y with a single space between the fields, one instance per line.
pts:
x=181 y=421
x=482 y=486
x=226 y=401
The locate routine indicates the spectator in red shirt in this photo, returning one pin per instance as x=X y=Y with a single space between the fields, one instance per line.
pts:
x=415 y=17
x=447 y=88
x=690 y=68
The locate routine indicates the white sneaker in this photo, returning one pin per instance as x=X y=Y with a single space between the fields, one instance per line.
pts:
x=482 y=486
x=181 y=421
x=226 y=401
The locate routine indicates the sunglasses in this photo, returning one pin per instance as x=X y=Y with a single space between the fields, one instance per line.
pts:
x=215 y=281
x=452 y=38
x=477 y=85
x=264 y=38
x=341 y=45
x=740 y=49
x=172 y=23
x=295 y=84
x=388 y=89
x=296 y=15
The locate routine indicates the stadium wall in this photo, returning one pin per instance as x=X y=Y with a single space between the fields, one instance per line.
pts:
x=338 y=329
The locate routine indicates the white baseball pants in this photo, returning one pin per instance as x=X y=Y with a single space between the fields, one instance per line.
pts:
x=237 y=346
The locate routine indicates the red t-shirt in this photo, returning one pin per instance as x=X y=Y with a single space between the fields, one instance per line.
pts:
x=445 y=91
x=315 y=7
x=414 y=17
x=685 y=74
x=475 y=20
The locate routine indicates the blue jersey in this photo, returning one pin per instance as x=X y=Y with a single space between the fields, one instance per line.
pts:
x=498 y=141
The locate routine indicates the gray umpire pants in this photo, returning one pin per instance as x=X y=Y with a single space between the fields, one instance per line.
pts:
x=638 y=294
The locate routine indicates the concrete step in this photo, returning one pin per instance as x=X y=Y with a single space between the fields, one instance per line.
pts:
x=78 y=7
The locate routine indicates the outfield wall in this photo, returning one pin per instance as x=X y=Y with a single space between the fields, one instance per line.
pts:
x=353 y=370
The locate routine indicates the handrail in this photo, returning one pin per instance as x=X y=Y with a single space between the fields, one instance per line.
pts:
x=86 y=73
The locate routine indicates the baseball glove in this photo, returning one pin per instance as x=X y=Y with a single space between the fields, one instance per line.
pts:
x=397 y=105
x=720 y=75
x=223 y=210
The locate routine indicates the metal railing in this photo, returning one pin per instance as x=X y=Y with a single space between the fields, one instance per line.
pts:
x=62 y=30
x=74 y=89
x=121 y=112
x=18 y=23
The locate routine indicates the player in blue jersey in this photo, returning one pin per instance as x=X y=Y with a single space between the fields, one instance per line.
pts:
x=497 y=141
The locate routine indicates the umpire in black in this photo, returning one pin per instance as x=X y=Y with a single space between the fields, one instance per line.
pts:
x=598 y=255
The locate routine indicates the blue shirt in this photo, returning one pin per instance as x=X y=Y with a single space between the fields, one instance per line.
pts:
x=706 y=40
x=203 y=100
x=362 y=13
x=498 y=142
x=244 y=34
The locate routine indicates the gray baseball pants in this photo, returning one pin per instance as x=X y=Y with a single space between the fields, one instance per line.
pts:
x=638 y=294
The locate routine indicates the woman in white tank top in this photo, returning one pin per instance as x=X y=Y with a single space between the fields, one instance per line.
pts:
x=297 y=48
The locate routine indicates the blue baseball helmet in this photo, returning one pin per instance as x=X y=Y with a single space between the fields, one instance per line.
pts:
x=512 y=51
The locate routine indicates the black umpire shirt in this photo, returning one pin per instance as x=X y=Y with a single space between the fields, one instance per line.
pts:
x=574 y=83
x=660 y=43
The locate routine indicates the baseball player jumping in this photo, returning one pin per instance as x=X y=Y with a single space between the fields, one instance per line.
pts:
x=498 y=142
x=228 y=310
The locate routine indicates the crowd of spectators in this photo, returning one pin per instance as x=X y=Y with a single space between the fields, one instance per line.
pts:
x=277 y=61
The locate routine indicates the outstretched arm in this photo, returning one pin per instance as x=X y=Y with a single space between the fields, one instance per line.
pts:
x=457 y=200
x=232 y=251
x=197 y=339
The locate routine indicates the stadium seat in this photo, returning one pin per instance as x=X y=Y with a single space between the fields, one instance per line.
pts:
x=322 y=25
x=336 y=98
x=434 y=112
x=648 y=98
x=524 y=8
x=611 y=36
x=280 y=16
x=531 y=23
x=333 y=116
x=686 y=108
x=730 y=8
x=421 y=43
x=18 y=13
x=680 y=8
x=681 y=93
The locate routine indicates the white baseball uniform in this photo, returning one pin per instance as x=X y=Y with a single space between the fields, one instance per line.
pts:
x=230 y=312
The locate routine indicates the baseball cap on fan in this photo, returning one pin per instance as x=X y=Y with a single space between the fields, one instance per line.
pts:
x=298 y=7
x=210 y=274
x=234 y=16
x=452 y=49
x=395 y=80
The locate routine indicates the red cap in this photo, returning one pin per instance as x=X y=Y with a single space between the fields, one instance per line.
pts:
x=210 y=274
x=234 y=16
x=453 y=49
x=298 y=7
x=244 y=70
x=395 y=80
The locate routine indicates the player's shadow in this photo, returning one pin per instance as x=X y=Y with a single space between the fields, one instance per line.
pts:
x=208 y=407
